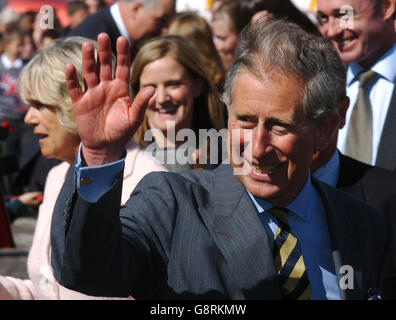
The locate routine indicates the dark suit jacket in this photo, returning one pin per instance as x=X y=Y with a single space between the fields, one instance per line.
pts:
x=373 y=185
x=197 y=235
x=386 y=157
x=376 y=187
x=101 y=21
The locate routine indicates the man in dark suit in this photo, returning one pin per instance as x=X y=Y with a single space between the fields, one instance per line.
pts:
x=134 y=19
x=259 y=228
x=364 y=34
x=371 y=184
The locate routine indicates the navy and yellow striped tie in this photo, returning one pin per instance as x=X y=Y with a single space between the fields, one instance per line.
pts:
x=289 y=262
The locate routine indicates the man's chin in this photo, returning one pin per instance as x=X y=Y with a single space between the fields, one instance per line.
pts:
x=260 y=189
x=350 y=56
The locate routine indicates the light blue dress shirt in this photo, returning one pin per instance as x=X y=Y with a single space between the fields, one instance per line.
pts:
x=380 y=96
x=307 y=222
x=101 y=177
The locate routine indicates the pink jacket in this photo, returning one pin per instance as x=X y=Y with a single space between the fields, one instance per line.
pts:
x=42 y=284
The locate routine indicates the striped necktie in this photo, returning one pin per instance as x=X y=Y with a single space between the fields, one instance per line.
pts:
x=289 y=262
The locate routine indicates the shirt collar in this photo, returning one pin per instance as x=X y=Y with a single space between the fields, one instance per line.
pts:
x=385 y=67
x=328 y=173
x=299 y=206
x=8 y=64
x=115 y=13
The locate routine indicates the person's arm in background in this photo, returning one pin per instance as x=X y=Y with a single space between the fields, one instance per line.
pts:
x=15 y=205
x=16 y=289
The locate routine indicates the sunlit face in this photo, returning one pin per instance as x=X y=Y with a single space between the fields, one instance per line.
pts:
x=151 y=21
x=55 y=141
x=175 y=91
x=358 y=38
x=225 y=40
x=277 y=144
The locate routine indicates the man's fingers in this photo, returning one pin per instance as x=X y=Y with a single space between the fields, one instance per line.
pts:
x=105 y=57
x=140 y=104
x=72 y=83
x=89 y=65
x=123 y=60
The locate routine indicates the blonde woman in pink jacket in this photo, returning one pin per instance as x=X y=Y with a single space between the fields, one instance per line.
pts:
x=43 y=86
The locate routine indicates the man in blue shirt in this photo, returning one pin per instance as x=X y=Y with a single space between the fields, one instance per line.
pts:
x=259 y=228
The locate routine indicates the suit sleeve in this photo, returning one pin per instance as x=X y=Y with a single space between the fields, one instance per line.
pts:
x=102 y=251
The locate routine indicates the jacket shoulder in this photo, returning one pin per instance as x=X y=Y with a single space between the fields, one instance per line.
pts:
x=94 y=24
x=356 y=209
x=353 y=171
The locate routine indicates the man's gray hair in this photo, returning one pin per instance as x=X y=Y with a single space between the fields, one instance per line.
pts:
x=273 y=48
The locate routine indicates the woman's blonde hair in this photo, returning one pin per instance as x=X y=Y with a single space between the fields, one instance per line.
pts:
x=197 y=31
x=43 y=79
x=208 y=110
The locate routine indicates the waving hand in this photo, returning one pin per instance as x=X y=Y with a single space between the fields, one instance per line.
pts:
x=106 y=117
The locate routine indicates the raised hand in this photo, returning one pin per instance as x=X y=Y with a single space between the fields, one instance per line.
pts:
x=32 y=198
x=106 y=117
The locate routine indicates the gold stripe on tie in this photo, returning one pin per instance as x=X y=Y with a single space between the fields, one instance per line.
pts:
x=285 y=250
x=295 y=276
x=288 y=260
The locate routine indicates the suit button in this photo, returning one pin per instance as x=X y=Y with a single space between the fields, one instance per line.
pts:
x=85 y=181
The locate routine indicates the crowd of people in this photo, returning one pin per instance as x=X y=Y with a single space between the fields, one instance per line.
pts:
x=107 y=116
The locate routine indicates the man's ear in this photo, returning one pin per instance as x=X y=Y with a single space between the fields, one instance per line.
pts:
x=388 y=8
x=326 y=129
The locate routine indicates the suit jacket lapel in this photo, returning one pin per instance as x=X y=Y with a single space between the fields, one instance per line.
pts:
x=386 y=157
x=345 y=241
x=236 y=228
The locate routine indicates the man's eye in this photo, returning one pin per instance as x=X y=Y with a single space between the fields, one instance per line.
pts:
x=245 y=119
x=322 y=19
x=280 y=130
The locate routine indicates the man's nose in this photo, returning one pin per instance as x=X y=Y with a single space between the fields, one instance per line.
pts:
x=260 y=142
x=332 y=28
